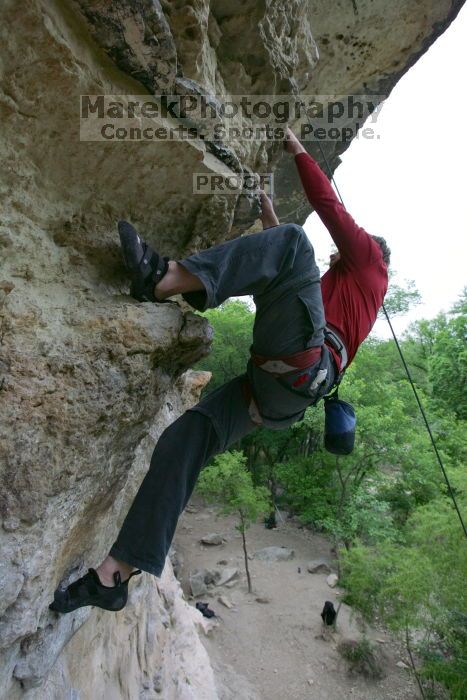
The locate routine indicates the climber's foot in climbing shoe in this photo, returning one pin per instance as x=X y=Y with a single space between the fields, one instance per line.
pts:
x=88 y=590
x=145 y=265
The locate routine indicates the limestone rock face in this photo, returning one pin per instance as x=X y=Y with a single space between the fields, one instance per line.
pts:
x=149 y=650
x=89 y=378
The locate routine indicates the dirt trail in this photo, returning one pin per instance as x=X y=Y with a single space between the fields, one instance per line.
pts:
x=275 y=650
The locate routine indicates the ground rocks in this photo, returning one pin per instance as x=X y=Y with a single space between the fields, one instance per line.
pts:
x=199 y=582
x=225 y=602
x=224 y=576
x=201 y=579
x=319 y=566
x=274 y=554
x=212 y=539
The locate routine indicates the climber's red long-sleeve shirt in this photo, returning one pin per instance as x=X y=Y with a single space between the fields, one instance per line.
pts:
x=353 y=288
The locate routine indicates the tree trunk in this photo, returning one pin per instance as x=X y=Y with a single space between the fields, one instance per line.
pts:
x=342 y=497
x=245 y=553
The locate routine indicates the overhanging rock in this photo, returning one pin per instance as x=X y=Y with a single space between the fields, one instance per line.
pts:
x=88 y=378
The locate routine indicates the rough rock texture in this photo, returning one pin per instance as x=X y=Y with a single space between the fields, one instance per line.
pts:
x=88 y=378
x=149 y=650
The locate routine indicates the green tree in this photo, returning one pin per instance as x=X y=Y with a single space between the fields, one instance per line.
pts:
x=447 y=366
x=437 y=348
x=418 y=589
x=400 y=298
x=228 y=481
x=233 y=328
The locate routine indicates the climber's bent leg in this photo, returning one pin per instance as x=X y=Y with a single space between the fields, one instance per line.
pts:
x=182 y=450
x=177 y=280
x=150 y=271
x=257 y=264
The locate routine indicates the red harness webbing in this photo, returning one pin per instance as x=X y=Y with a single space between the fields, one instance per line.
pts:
x=278 y=366
x=288 y=363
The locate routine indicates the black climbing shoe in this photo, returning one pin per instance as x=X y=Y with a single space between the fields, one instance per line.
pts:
x=88 y=590
x=146 y=267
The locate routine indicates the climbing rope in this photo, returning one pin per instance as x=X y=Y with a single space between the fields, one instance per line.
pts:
x=409 y=376
x=422 y=411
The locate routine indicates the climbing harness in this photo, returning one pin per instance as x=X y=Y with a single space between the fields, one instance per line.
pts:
x=289 y=363
x=333 y=339
x=281 y=367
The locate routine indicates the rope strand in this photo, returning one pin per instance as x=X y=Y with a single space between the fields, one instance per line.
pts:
x=422 y=411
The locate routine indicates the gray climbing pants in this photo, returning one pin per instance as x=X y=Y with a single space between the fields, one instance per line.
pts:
x=277 y=267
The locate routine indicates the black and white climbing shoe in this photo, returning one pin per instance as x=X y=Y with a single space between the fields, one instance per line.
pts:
x=88 y=590
x=146 y=267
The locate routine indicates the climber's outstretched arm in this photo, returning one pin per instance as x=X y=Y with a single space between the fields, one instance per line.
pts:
x=353 y=242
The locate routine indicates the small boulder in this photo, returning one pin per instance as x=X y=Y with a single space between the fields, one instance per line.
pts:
x=319 y=566
x=212 y=539
x=223 y=576
x=225 y=601
x=332 y=580
x=274 y=554
x=197 y=584
x=232 y=583
x=199 y=581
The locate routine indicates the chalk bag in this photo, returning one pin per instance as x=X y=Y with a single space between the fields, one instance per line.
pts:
x=339 y=425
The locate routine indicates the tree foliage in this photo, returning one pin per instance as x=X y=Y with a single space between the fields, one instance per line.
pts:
x=233 y=325
x=417 y=587
x=228 y=482
x=400 y=298
x=386 y=506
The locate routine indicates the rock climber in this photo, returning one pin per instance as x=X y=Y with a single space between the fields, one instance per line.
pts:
x=306 y=332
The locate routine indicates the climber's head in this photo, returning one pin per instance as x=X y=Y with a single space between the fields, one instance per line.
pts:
x=385 y=249
x=335 y=256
